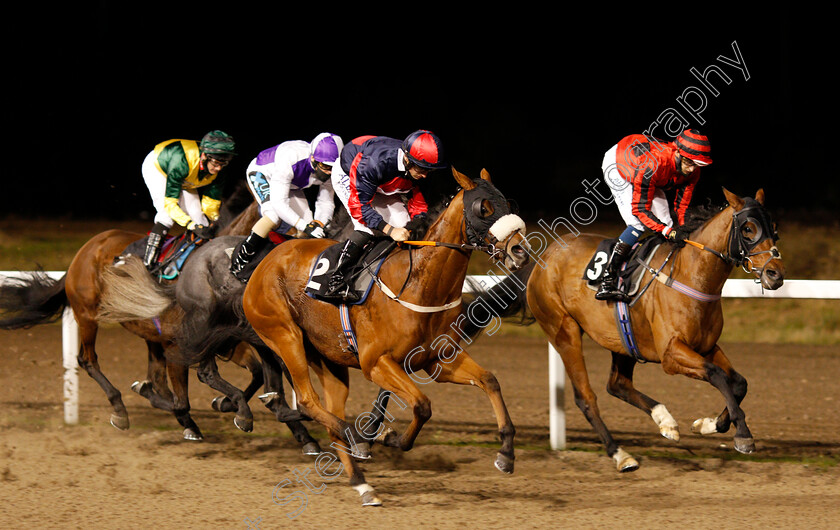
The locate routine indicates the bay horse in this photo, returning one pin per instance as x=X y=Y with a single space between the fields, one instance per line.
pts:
x=38 y=299
x=396 y=335
x=677 y=321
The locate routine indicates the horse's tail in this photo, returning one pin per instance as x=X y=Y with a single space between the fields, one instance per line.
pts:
x=130 y=293
x=506 y=300
x=35 y=298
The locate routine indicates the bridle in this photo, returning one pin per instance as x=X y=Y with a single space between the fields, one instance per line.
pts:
x=740 y=251
x=480 y=232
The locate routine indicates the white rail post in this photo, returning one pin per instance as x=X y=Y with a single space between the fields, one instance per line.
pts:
x=70 y=348
x=556 y=399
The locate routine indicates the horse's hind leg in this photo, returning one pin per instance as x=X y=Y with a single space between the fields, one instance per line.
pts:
x=179 y=377
x=680 y=359
x=208 y=373
x=621 y=386
x=243 y=357
x=155 y=387
x=738 y=385
x=275 y=400
x=566 y=339
x=463 y=370
x=88 y=360
x=335 y=381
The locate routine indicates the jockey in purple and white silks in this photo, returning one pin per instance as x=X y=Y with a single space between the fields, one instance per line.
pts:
x=277 y=178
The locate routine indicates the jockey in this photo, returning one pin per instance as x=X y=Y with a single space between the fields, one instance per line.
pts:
x=637 y=171
x=374 y=174
x=183 y=179
x=277 y=178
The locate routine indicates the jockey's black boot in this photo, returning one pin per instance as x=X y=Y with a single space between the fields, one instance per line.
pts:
x=156 y=235
x=338 y=289
x=609 y=282
x=247 y=250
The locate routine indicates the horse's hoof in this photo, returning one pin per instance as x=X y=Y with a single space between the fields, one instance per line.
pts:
x=120 y=422
x=140 y=386
x=312 y=449
x=704 y=426
x=191 y=435
x=744 y=445
x=388 y=438
x=369 y=498
x=624 y=462
x=244 y=424
x=361 y=451
x=222 y=404
x=671 y=433
x=504 y=463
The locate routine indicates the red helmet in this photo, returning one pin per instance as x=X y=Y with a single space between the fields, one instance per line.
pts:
x=694 y=146
x=424 y=148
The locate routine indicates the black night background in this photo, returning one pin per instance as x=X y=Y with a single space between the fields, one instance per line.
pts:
x=534 y=97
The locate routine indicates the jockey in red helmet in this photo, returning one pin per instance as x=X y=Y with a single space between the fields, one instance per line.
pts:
x=637 y=170
x=374 y=172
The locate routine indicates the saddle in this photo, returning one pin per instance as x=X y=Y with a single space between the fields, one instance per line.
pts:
x=362 y=275
x=631 y=273
x=174 y=251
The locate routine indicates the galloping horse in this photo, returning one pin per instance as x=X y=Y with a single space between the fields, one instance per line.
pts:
x=396 y=335
x=38 y=299
x=676 y=322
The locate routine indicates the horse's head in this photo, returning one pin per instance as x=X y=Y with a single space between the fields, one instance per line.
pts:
x=489 y=224
x=752 y=240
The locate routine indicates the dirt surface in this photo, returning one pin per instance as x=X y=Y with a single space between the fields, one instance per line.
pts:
x=93 y=476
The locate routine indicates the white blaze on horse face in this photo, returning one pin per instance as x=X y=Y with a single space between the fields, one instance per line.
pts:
x=506 y=225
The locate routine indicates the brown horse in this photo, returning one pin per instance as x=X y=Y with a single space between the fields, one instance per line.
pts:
x=38 y=300
x=677 y=321
x=396 y=335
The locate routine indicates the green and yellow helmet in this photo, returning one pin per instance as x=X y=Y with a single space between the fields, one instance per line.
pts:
x=218 y=144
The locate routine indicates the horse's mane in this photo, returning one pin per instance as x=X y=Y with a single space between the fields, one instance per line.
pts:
x=696 y=216
x=234 y=205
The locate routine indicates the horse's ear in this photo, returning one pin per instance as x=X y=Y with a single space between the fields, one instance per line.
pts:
x=733 y=200
x=464 y=181
x=485 y=175
x=759 y=196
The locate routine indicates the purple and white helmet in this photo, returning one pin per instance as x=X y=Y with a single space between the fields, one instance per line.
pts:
x=325 y=148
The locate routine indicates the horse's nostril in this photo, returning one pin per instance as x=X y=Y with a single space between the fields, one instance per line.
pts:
x=772 y=273
x=518 y=250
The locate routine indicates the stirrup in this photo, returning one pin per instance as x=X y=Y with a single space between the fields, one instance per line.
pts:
x=611 y=293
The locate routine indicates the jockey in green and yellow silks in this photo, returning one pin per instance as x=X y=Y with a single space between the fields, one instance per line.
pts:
x=183 y=177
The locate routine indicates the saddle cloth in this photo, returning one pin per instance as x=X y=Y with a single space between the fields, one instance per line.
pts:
x=173 y=254
x=631 y=273
x=362 y=274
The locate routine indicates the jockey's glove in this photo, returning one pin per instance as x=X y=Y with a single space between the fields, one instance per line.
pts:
x=314 y=229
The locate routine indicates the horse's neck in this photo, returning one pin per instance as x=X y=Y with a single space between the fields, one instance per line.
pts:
x=242 y=223
x=437 y=273
x=704 y=270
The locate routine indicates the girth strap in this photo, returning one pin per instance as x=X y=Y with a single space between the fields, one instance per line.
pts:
x=414 y=307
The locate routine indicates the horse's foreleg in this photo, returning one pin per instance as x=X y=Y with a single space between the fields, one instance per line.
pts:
x=721 y=423
x=88 y=360
x=621 y=386
x=680 y=359
x=389 y=375
x=463 y=370
x=208 y=373
x=566 y=339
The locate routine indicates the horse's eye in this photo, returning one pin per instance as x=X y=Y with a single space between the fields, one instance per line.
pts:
x=486 y=209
